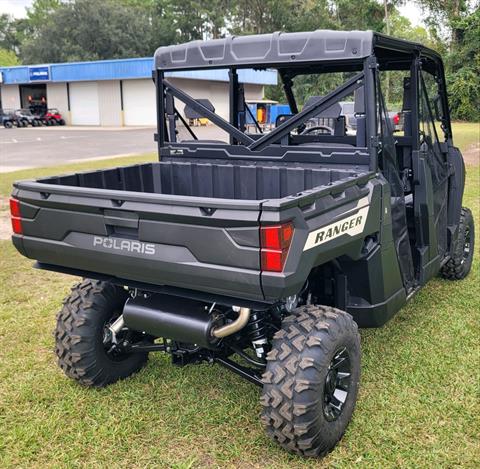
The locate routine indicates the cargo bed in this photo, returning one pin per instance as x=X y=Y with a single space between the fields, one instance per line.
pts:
x=181 y=224
x=241 y=181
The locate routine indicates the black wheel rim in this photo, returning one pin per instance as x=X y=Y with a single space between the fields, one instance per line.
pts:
x=337 y=384
x=467 y=247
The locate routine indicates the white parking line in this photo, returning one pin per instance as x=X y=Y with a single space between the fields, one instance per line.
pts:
x=41 y=139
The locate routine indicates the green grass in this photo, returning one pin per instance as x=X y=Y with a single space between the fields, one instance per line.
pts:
x=7 y=179
x=466 y=134
x=418 y=404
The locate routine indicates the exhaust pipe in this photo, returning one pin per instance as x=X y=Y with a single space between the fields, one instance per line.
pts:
x=235 y=326
x=179 y=319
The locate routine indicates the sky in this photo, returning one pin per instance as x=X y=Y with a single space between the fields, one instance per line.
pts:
x=17 y=9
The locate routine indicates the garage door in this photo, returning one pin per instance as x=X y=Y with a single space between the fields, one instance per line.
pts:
x=139 y=102
x=84 y=103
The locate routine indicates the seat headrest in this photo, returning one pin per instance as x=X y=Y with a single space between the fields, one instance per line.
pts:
x=193 y=114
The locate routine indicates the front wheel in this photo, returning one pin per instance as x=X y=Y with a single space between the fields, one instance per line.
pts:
x=311 y=380
x=460 y=262
x=82 y=341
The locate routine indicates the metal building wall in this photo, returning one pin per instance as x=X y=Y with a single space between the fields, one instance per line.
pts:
x=10 y=96
x=139 y=102
x=109 y=101
x=253 y=91
x=57 y=96
x=84 y=103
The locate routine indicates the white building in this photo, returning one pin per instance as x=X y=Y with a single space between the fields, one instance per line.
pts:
x=115 y=92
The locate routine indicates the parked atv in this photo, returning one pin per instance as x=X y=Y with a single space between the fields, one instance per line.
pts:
x=7 y=118
x=264 y=253
x=25 y=117
x=53 y=117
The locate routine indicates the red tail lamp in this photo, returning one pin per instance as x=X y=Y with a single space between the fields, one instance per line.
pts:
x=16 y=216
x=275 y=243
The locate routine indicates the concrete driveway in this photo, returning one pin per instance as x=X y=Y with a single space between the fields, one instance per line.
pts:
x=48 y=146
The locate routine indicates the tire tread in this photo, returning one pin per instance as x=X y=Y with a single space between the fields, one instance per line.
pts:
x=306 y=335
x=454 y=268
x=76 y=332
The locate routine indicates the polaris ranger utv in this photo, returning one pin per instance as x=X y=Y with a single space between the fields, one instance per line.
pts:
x=264 y=253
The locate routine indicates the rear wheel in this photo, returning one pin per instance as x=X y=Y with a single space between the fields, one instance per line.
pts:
x=8 y=124
x=460 y=263
x=83 y=341
x=311 y=380
x=61 y=122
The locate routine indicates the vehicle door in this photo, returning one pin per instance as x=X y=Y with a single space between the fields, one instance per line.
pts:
x=388 y=164
x=434 y=150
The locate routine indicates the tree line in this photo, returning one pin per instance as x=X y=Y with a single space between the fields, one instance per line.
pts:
x=78 y=30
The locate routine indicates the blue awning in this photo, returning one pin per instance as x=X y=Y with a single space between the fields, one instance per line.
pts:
x=122 y=69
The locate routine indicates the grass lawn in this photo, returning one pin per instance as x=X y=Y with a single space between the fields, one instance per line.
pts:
x=466 y=134
x=418 y=403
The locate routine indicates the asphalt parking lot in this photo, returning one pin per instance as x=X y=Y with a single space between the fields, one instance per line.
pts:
x=49 y=146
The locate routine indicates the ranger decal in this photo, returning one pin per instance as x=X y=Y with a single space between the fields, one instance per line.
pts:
x=352 y=225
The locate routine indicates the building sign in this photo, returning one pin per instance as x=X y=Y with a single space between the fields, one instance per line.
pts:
x=39 y=73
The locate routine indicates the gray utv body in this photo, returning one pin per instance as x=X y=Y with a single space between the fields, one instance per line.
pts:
x=375 y=215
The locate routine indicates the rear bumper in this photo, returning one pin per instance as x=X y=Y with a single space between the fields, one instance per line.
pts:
x=174 y=266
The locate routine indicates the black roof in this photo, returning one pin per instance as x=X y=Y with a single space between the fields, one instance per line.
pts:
x=284 y=49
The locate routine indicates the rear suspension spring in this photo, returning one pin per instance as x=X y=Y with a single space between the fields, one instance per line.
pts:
x=256 y=330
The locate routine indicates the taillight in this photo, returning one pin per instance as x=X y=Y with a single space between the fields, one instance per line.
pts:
x=16 y=216
x=275 y=243
x=396 y=119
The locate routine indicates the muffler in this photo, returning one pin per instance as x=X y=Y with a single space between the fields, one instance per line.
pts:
x=180 y=319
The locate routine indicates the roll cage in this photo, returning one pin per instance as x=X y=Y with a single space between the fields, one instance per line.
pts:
x=364 y=55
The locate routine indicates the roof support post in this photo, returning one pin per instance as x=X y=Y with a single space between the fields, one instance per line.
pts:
x=287 y=88
x=170 y=108
x=160 y=97
x=233 y=105
x=415 y=87
x=241 y=108
x=370 y=70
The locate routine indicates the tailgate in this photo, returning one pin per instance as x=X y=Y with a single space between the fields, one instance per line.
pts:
x=197 y=243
